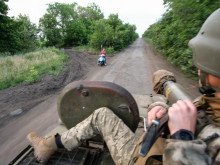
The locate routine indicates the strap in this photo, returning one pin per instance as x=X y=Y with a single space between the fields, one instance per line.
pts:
x=202 y=119
x=202 y=78
x=206 y=89
x=155 y=151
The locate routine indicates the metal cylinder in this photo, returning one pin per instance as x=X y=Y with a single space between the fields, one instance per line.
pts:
x=174 y=92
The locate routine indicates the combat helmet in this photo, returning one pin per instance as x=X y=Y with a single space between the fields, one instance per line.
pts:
x=206 y=48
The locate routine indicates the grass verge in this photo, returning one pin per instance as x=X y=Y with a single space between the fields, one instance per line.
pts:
x=30 y=66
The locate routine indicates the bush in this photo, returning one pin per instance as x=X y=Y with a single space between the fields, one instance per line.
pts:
x=32 y=76
x=110 y=50
x=171 y=34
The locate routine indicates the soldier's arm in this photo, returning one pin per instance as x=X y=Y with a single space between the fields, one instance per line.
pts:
x=179 y=152
x=182 y=148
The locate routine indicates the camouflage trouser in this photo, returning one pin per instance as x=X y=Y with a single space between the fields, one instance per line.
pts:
x=121 y=141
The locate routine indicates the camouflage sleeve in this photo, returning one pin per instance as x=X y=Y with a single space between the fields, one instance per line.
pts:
x=178 y=152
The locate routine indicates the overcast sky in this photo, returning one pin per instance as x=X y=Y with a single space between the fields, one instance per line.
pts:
x=141 y=13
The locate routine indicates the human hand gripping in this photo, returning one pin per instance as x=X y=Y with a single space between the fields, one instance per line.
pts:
x=155 y=112
x=182 y=115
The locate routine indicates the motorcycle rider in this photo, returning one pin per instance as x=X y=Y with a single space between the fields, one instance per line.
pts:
x=102 y=52
x=189 y=143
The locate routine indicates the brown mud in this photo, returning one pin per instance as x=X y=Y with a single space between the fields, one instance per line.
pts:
x=23 y=97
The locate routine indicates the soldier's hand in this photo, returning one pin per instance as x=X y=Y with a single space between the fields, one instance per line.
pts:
x=155 y=112
x=182 y=115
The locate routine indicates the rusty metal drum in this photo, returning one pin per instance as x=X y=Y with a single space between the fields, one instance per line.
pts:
x=79 y=99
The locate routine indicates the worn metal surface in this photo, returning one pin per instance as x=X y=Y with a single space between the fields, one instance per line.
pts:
x=79 y=99
x=174 y=92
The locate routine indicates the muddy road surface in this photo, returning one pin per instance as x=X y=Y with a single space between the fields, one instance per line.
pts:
x=27 y=108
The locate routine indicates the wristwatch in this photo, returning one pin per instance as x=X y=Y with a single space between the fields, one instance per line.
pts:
x=183 y=134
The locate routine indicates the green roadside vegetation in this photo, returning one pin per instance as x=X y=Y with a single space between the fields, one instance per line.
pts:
x=181 y=22
x=64 y=25
x=30 y=66
x=22 y=57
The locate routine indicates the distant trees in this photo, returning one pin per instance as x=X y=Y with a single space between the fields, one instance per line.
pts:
x=8 y=38
x=71 y=25
x=56 y=24
x=182 y=21
x=16 y=34
x=112 y=32
x=27 y=33
x=64 y=25
x=68 y=24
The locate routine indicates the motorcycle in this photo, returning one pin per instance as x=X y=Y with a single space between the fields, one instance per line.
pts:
x=101 y=60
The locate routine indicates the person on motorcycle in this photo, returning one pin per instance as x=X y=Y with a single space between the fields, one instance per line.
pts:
x=194 y=128
x=102 y=52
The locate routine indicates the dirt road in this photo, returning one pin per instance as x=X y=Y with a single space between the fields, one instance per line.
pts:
x=131 y=68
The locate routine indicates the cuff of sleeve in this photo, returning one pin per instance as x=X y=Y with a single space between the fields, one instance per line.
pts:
x=158 y=104
x=58 y=141
x=183 y=134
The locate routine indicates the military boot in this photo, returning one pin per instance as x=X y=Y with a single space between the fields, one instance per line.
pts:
x=43 y=147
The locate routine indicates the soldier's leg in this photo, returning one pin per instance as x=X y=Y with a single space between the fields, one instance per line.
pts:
x=120 y=140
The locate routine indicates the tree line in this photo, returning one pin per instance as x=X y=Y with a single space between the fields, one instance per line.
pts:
x=64 y=25
x=180 y=23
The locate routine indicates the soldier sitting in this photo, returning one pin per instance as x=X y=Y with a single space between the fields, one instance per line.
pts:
x=192 y=141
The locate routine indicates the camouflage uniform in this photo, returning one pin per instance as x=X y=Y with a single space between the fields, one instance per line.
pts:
x=121 y=141
x=195 y=152
x=206 y=148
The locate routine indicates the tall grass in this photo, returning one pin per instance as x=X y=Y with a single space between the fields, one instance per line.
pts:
x=30 y=66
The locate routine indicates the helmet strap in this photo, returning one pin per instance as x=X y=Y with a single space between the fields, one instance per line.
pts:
x=204 y=89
